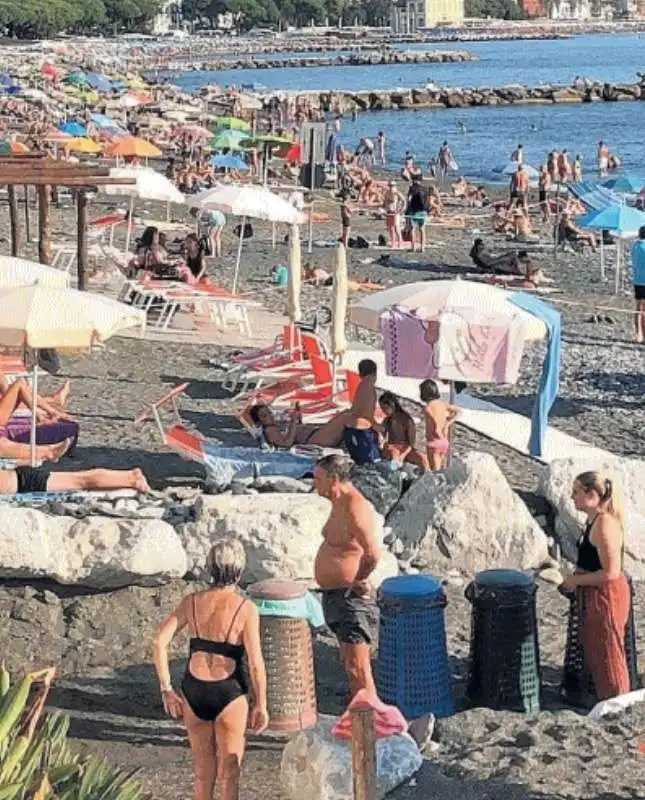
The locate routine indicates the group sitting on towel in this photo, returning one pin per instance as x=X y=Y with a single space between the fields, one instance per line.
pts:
x=517 y=269
x=366 y=440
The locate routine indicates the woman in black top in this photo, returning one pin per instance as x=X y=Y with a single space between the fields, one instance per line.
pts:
x=416 y=214
x=603 y=592
x=194 y=257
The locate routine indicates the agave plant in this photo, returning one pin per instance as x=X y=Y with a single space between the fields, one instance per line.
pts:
x=36 y=762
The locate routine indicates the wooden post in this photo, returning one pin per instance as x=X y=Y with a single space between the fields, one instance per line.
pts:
x=44 y=225
x=27 y=220
x=81 y=232
x=363 y=754
x=14 y=221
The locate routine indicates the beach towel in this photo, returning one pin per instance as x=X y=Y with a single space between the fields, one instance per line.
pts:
x=388 y=720
x=307 y=607
x=225 y=464
x=550 y=378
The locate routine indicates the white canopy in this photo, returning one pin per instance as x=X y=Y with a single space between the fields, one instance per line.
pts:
x=255 y=202
x=21 y=272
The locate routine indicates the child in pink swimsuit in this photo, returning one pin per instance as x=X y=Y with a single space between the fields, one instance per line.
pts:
x=439 y=416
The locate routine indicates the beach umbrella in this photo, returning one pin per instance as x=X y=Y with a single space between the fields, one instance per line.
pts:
x=98 y=82
x=73 y=128
x=294 y=153
x=430 y=298
x=105 y=123
x=82 y=144
x=229 y=162
x=233 y=123
x=6 y=81
x=339 y=303
x=227 y=140
x=249 y=102
x=196 y=131
x=295 y=276
x=57 y=137
x=628 y=184
x=22 y=272
x=622 y=220
x=76 y=79
x=8 y=147
x=255 y=202
x=150 y=185
x=49 y=71
x=40 y=316
x=129 y=101
x=35 y=94
x=133 y=146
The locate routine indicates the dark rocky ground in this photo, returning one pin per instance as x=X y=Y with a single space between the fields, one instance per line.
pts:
x=101 y=642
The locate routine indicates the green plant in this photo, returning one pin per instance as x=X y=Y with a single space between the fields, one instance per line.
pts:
x=36 y=761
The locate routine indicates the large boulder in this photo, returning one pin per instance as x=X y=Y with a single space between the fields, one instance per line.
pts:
x=97 y=552
x=468 y=517
x=317 y=766
x=280 y=533
x=381 y=485
x=628 y=474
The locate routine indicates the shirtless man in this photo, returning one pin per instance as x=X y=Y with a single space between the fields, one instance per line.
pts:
x=520 y=188
x=347 y=557
x=602 y=159
x=25 y=480
x=439 y=417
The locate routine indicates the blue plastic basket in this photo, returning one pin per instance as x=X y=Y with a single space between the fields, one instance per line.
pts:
x=413 y=666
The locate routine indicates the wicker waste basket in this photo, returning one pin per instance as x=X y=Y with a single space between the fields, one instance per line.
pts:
x=288 y=655
x=413 y=667
x=577 y=683
x=504 y=651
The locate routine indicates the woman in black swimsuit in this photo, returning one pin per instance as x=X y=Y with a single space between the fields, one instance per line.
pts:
x=214 y=703
x=603 y=592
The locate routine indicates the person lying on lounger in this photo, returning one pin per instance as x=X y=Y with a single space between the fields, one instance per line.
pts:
x=25 y=480
x=48 y=409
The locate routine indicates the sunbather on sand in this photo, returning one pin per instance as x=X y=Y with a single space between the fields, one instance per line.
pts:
x=359 y=417
x=21 y=453
x=25 y=480
x=320 y=277
x=48 y=409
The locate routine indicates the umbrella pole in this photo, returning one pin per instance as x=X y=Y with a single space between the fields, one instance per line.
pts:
x=34 y=389
x=310 y=242
x=602 y=256
x=129 y=232
x=452 y=397
x=273 y=232
x=168 y=211
x=239 y=254
x=618 y=249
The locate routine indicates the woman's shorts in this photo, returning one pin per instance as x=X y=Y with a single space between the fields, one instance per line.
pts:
x=419 y=218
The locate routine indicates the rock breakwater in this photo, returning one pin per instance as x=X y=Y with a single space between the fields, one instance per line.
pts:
x=448 y=97
x=357 y=59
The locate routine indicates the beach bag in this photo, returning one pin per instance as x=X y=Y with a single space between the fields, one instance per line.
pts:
x=247 y=233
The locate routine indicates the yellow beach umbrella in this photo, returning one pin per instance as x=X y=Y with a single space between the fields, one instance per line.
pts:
x=82 y=144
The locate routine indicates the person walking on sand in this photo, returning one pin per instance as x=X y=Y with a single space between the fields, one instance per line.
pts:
x=214 y=702
x=604 y=596
x=346 y=559
x=439 y=416
x=416 y=213
x=544 y=186
x=638 y=267
x=519 y=189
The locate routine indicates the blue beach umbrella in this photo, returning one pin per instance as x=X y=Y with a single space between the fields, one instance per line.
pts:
x=229 y=162
x=6 y=80
x=630 y=184
x=73 y=128
x=98 y=82
x=105 y=123
x=622 y=220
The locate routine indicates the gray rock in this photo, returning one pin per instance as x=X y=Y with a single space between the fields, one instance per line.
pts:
x=467 y=516
x=629 y=476
x=551 y=575
x=281 y=485
x=379 y=484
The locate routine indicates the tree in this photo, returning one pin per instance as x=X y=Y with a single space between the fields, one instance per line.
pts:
x=498 y=9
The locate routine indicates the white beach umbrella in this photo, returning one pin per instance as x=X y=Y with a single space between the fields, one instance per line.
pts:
x=255 y=202
x=40 y=317
x=295 y=276
x=21 y=272
x=432 y=298
x=150 y=185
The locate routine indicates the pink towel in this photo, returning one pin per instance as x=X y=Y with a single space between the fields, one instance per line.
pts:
x=388 y=720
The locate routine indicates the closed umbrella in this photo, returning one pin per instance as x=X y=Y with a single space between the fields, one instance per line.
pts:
x=295 y=276
x=622 y=220
x=150 y=185
x=339 y=304
x=256 y=202
x=41 y=316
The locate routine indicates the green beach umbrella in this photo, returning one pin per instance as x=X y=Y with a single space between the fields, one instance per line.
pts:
x=268 y=141
x=227 y=140
x=233 y=123
x=76 y=79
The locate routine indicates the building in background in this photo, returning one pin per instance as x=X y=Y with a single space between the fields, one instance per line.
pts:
x=410 y=16
x=533 y=9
